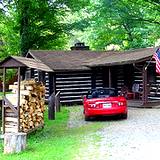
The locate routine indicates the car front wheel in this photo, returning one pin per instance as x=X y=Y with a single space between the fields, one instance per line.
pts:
x=87 y=118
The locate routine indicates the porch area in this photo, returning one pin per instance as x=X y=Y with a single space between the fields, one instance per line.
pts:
x=139 y=103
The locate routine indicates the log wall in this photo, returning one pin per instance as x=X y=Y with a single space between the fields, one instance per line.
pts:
x=73 y=85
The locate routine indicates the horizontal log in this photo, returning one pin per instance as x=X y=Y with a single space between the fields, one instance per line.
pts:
x=10 y=119
x=73 y=93
x=11 y=123
x=71 y=101
x=70 y=89
x=73 y=74
x=73 y=82
x=11 y=130
x=8 y=110
x=11 y=114
x=11 y=126
x=72 y=78
x=73 y=85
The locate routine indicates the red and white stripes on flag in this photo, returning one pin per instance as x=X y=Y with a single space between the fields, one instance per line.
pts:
x=156 y=56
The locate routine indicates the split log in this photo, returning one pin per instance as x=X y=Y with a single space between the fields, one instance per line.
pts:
x=14 y=142
x=32 y=105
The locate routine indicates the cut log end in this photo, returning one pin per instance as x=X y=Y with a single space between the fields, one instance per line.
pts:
x=14 y=142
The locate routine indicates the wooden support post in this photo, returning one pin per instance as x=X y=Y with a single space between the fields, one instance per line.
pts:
x=109 y=76
x=14 y=142
x=3 y=103
x=51 y=83
x=93 y=79
x=18 y=98
x=51 y=107
x=145 y=92
x=57 y=102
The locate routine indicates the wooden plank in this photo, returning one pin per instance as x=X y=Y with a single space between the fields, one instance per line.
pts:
x=18 y=99
x=4 y=93
x=11 y=130
x=109 y=76
x=11 y=114
x=144 y=94
x=4 y=81
x=73 y=82
x=51 y=107
x=3 y=117
x=73 y=85
x=10 y=105
x=77 y=78
x=11 y=126
x=8 y=110
x=11 y=119
x=10 y=123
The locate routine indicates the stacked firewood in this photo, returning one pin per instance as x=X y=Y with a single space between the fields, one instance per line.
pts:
x=32 y=105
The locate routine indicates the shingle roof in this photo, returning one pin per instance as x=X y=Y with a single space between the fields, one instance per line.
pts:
x=15 y=61
x=121 y=58
x=83 y=60
x=66 y=60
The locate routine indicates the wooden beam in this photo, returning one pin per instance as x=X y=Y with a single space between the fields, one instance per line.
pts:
x=4 y=82
x=3 y=103
x=51 y=83
x=109 y=76
x=10 y=105
x=93 y=79
x=18 y=97
x=145 y=92
x=51 y=107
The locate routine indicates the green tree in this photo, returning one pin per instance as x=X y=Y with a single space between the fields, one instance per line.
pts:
x=127 y=23
x=41 y=24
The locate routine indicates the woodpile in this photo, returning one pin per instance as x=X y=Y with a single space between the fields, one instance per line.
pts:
x=32 y=107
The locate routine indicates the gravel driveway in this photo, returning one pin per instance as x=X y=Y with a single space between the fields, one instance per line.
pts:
x=137 y=138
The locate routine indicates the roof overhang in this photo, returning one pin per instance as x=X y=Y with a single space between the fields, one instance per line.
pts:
x=122 y=58
x=15 y=62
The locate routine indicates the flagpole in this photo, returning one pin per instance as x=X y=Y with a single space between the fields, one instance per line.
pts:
x=148 y=63
x=158 y=49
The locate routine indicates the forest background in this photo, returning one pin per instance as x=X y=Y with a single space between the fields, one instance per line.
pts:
x=58 y=24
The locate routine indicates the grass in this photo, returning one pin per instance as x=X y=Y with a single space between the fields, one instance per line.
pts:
x=56 y=141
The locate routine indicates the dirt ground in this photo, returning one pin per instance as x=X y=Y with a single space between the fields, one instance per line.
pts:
x=137 y=138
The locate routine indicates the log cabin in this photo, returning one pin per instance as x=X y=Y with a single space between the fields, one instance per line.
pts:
x=76 y=71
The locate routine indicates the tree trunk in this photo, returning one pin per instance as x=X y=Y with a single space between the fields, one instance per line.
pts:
x=14 y=142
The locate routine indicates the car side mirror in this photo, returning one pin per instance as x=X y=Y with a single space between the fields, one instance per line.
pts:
x=84 y=97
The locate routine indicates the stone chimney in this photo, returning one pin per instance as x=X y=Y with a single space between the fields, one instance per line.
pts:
x=79 y=46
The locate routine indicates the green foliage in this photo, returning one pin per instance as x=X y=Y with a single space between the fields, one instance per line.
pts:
x=35 y=24
x=128 y=24
x=55 y=24
x=9 y=36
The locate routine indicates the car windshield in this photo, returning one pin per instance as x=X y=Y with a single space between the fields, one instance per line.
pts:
x=101 y=93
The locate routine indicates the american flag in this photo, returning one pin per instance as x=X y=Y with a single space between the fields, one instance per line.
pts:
x=156 y=56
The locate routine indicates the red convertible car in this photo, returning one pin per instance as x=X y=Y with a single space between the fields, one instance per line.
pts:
x=104 y=102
